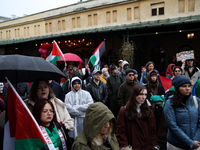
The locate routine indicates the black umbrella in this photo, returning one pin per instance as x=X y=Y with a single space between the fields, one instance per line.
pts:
x=19 y=68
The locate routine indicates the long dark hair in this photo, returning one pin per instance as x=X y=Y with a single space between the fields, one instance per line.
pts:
x=37 y=110
x=34 y=88
x=178 y=100
x=152 y=85
x=132 y=107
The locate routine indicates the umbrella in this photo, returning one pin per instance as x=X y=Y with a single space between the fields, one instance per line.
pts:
x=19 y=68
x=70 y=57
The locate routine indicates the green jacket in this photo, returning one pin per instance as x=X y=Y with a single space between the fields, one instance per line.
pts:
x=97 y=115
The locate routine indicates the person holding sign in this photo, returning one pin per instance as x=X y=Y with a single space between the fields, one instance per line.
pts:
x=189 y=67
x=190 y=70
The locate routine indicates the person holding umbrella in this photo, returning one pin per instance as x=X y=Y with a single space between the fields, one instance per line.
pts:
x=42 y=90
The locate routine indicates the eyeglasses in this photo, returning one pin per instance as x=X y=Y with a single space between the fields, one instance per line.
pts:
x=45 y=111
x=177 y=70
x=97 y=74
x=131 y=75
x=143 y=94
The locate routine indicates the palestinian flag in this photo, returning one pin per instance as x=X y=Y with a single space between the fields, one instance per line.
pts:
x=98 y=53
x=166 y=82
x=55 y=54
x=21 y=131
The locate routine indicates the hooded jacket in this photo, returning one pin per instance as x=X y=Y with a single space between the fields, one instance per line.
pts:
x=76 y=103
x=98 y=92
x=97 y=115
x=67 y=88
x=123 y=72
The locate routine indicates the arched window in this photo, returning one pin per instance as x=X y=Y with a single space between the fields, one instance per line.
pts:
x=158 y=57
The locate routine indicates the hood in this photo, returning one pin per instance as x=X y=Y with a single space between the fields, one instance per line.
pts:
x=76 y=74
x=124 y=63
x=75 y=78
x=97 y=115
x=169 y=71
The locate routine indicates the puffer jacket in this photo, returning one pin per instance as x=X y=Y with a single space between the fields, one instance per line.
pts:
x=183 y=123
x=98 y=92
x=97 y=115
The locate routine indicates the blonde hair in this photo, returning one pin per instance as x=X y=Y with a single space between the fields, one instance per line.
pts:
x=107 y=136
x=104 y=69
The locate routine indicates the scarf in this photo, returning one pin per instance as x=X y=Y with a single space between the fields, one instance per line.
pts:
x=56 y=132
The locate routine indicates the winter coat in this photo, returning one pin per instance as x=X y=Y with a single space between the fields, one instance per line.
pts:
x=183 y=123
x=22 y=89
x=113 y=84
x=97 y=115
x=196 y=89
x=76 y=103
x=98 y=92
x=124 y=93
x=160 y=91
x=139 y=133
x=61 y=112
x=194 y=77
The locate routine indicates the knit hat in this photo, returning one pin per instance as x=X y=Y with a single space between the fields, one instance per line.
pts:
x=135 y=71
x=177 y=81
x=129 y=70
x=76 y=80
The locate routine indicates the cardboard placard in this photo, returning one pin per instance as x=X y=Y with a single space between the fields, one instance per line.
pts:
x=185 y=55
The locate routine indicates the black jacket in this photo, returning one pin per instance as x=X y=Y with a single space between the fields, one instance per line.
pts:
x=58 y=91
x=160 y=91
x=99 y=92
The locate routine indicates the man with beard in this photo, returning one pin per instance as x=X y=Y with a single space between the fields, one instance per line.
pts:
x=126 y=88
x=154 y=87
x=97 y=88
x=190 y=70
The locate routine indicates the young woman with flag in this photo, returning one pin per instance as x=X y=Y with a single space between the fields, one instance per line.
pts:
x=45 y=115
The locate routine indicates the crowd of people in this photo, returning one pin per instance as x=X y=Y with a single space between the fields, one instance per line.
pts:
x=111 y=108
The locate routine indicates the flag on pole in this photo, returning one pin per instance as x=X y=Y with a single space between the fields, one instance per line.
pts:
x=98 y=53
x=55 y=54
x=166 y=82
x=21 y=131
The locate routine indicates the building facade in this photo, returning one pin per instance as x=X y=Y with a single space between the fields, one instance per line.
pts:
x=159 y=29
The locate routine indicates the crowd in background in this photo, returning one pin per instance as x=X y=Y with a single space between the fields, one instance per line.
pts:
x=114 y=107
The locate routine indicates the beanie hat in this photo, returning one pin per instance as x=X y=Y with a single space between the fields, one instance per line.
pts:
x=76 y=80
x=129 y=70
x=135 y=71
x=180 y=80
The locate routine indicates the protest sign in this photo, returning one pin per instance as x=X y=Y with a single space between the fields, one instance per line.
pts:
x=185 y=55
